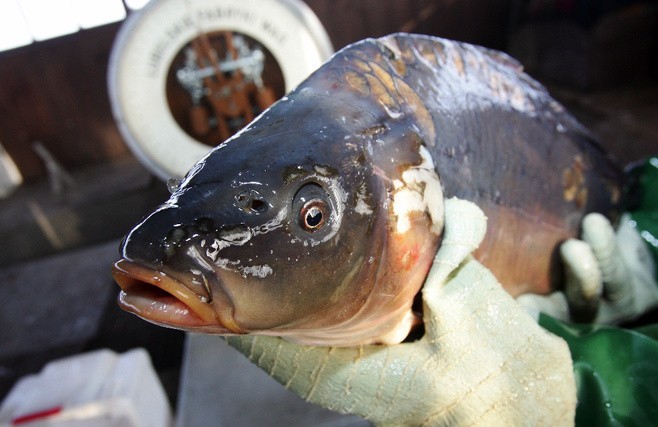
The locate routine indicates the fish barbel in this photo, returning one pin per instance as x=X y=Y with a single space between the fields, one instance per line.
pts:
x=319 y=221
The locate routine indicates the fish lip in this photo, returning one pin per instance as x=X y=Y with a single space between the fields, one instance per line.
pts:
x=160 y=298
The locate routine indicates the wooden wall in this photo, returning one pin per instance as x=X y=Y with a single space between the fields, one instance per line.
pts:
x=55 y=91
x=476 y=21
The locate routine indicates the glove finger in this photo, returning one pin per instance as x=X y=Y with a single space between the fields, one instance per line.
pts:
x=599 y=234
x=555 y=305
x=583 y=281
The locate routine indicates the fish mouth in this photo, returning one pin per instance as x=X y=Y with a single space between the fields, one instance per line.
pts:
x=162 y=299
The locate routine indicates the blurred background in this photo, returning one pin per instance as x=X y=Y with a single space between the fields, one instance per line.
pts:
x=73 y=188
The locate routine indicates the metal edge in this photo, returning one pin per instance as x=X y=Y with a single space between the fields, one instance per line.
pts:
x=118 y=46
x=310 y=20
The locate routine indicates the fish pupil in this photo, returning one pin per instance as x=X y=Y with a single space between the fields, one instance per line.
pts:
x=314 y=217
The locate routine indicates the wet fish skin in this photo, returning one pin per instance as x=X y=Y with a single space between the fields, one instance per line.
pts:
x=504 y=143
x=379 y=135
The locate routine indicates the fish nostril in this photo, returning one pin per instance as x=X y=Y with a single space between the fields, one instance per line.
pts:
x=242 y=199
x=251 y=201
x=258 y=205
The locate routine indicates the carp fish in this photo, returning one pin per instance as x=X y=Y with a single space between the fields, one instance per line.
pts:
x=319 y=221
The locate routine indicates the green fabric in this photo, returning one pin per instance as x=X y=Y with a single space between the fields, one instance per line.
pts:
x=644 y=195
x=616 y=373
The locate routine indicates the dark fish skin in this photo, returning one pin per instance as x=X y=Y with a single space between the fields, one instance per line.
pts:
x=502 y=142
x=319 y=221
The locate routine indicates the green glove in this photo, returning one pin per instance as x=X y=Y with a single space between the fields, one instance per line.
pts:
x=482 y=360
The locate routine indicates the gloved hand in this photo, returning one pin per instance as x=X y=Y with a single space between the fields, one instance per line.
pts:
x=610 y=277
x=482 y=359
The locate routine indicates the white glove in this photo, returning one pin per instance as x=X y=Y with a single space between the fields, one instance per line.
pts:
x=482 y=359
x=609 y=276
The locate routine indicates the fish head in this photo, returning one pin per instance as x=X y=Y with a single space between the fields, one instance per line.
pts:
x=309 y=224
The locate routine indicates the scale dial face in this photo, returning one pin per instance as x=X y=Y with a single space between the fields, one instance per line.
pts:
x=184 y=76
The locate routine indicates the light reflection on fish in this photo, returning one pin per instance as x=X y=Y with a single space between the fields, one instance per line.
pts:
x=319 y=221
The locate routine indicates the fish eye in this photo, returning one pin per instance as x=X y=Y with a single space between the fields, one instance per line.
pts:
x=313 y=207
